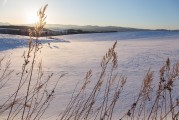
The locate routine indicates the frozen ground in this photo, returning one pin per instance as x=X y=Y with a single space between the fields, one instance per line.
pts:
x=137 y=52
x=17 y=41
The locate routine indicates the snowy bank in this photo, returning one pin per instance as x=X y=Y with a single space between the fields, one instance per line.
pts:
x=16 y=41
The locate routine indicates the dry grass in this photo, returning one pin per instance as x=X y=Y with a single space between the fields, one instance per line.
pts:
x=5 y=72
x=32 y=96
x=151 y=103
x=164 y=106
x=99 y=102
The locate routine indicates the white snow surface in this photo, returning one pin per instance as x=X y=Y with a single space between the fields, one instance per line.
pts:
x=16 y=41
x=137 y=52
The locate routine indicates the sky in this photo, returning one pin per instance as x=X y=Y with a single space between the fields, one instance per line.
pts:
x=150 y=14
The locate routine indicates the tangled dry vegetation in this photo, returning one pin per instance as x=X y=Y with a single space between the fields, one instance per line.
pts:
x=99 y=103
x=84 y=105
x=151 y=103
x=157 y=103
x=31 y=97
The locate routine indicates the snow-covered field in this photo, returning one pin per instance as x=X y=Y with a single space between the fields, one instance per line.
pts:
x=17 y=41
x=137 y=52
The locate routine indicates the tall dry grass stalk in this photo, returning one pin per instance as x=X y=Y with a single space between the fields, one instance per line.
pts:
x=99 y=103
x=157 y=103
x=5 y=72
x=32 y=96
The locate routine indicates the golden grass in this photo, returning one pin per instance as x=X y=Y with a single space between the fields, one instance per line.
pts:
x=36 y=98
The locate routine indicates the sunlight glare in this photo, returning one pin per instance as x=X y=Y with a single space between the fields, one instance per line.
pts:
x=32 y=18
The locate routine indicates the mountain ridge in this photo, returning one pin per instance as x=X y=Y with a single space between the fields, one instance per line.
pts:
x=60 y=29
x=85 y=27
x=4 y=23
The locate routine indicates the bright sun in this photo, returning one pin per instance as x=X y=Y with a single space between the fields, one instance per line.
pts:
x=32 y=18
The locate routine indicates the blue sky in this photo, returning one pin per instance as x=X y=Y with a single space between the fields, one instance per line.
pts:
x=153 y=14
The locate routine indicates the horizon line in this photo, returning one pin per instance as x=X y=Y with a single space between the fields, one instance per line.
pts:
x=91 y=25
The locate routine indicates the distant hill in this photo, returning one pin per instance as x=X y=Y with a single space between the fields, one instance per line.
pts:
x=4 y=23
x=92 y=28
x=19 y=30
x=48 y=31
x=89 y=28
x=58 y=29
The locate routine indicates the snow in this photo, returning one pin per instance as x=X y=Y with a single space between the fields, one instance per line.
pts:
x=16 y=41
x=137 y=52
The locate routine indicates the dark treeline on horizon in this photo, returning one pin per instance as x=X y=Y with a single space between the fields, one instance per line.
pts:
x=55 y=31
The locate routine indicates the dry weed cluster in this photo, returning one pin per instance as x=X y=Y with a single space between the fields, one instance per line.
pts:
x=32 y=96
x=100 y=102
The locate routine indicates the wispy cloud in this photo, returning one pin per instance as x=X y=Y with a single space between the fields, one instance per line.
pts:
x=4 y=2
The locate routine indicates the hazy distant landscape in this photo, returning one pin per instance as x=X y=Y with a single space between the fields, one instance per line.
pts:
x=57 y=29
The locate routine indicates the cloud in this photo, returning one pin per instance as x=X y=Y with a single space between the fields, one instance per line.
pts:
x=4 y=2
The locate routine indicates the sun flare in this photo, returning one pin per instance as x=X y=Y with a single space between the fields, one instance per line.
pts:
x=32 y=18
